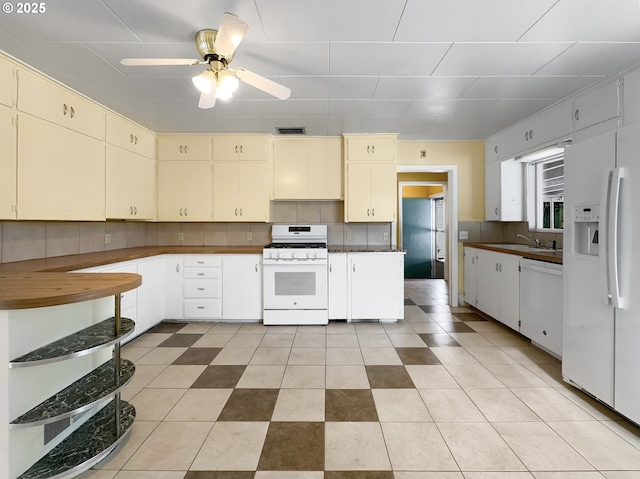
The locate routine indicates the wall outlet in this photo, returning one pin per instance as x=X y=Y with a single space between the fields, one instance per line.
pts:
x=348 y=235
x=180 y=236
x=249 y=236
x=385 y=236
x=463 y=235
x=107 y=238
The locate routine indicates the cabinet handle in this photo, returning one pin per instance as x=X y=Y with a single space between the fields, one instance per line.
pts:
x=177 y=267
x=368 y=149
x=354 y=267
x=186 y=213
x=373 y=211
x=236 y=148
x=473 y=260
x=240 y=149
x=526 y=136
x=180 y=148
x=496 y=266
x=135 y=210
x=186 y=148
x=236 y=211
x=64 y=109
x=180 y=211
x=72 y=112
x=200 y=307
x=256 y=267
x=368 y=212
x=577 y=114
x=200 y=262
x=500 y=267
x=544 y=332
x=496 y=210
x=200 y=289
x=131 y=210
x=135 y=138
x=373 y=149
x=240 y=211
x=495 y=148
x=200 y=274
x=330 y=269
x=131 y=138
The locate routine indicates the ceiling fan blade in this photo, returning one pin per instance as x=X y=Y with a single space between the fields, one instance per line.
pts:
x=159 y=61
x=230 y=34
x=208 y=100
x=264 y=84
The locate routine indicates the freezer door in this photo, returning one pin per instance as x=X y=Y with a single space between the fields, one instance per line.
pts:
x=627 y=326
x=588 y=322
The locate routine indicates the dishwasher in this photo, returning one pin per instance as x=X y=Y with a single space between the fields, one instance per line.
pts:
x=541 y=304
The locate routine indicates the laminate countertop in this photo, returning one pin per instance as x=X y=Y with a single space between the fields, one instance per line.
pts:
x=526 y=251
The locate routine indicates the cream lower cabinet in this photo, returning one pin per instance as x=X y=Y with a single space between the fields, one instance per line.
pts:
x=7 y=164
x=184 y=191
x=242 y=287
x=240 y=191
x=131 y=185
x=470 y=276
x=61 y=176
x=371 y=194
x=338 y=286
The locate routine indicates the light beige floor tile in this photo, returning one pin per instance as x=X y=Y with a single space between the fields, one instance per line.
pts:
x=196 y=328
x=487 y=327
x=171 y=446
x=96 y=474
x=347 y=377
x=474 y=376
x=161 y=356
x=309 y=340
x=380 y=357
x=469 y=340
x=253 y=328
x=340 y=327
x=303 y=377
x=400 y=405
x=144 y=375
x=299 y=405
x=400 y=327
x=177 y=377
x=626 y=430
x=270 y=356
x=261 y=377
x=550 y=373
x=344 y=357
x=497 y=475
x=504 y=338
x=281 y=329
x=451 y=405
x=599 y=445
x=140 y=431
x=593 y=407
x=277 y=340
x=525 y=354
x=150 y=475
x=417 y=447
x=342 y=341
x=289 y=475
x=133 y=353
x=127 y=394
x=617 y=475
x=199 y=405
x=491 y=355
x=406 y=340
x=149 y=340
x=501 y=405
x=234 y=356
x=374 y=340
x=451 y=356
x=307 y=356
x=154 y=404
x=218 y=340
x=369 y=328
x=355 y=446
x=232 y=446
x=478 y=447
x=418 y=318
x=427 y=475
x=550 y=405
x=540 y=448
x=245 y=341
x=431 y=376
x=516 y=376
x=427 y=328
x=225 y=328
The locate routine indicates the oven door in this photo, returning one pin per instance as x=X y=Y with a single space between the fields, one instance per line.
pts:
x=291 y=285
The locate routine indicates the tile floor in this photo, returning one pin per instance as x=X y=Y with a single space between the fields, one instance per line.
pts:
x=442 y=394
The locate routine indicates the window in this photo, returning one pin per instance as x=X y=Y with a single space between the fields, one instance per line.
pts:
x=546 y=191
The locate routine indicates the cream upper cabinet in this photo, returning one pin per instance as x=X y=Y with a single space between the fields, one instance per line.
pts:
x=187 y=147
x=370 y=148
x=45 y=99
x=249 y=148
x=307 y=169
x=597 y=106
x=505 y=191
x=7 y=163
x=8 y=89
x=184 y=191
x=128 y=135
x=384 y=193
x=131 y=185
x=240 y=191
x=61 y=176
x=372 y=193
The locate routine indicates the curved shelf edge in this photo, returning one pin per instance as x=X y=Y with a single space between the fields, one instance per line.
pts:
x=86 y=446
x=78 y=397
x=86 y=341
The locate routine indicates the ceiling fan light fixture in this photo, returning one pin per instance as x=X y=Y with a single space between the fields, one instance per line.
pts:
x=204 y=81
x=227 y=83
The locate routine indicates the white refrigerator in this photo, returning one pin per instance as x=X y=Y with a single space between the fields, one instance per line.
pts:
x=601 y=320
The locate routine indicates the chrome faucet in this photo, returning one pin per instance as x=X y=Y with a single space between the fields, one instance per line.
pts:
x=534 y=241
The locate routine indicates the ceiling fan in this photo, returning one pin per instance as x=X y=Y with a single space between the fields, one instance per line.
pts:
x=217 y=47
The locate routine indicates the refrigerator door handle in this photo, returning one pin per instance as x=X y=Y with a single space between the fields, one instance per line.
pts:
x=603 y=237
x=614 y=227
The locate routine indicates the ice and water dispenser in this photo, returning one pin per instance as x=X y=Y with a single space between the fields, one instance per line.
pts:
x=586 y=223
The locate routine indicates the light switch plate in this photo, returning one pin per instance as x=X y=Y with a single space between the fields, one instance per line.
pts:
x=249 y=236
x=463 y=235
x=180 y=236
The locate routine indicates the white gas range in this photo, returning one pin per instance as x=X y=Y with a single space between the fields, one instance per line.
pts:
x=296 y=275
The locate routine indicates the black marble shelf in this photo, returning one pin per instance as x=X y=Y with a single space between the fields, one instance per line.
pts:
x=85 y=341
x=79 y=396
x=86 y=446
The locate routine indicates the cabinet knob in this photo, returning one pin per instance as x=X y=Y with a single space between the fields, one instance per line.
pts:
x=496 y=210
x=240 y=211
x=373 y=149
x=186 y=213
x=236 y=148
x=495 y=149
x=368 y=209
x=186 y=148
x=135 y=140
x=368 y=149
x=373 y=211
x=577 y=114
x=131 y=138
x=256 y=267
x=236 y=211
x=131 y=210
x=180 y=148
x=72 y=112
x=135 y=210
x=544 y=332
x=65 y=109
x=531 y=134
x=526 y=136
x=180 y=211
x=354 y=267
x=178 y=268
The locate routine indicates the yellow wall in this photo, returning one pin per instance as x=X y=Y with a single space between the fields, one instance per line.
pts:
x=420 y=191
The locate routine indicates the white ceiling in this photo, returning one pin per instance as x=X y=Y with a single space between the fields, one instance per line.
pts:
x=426 y=69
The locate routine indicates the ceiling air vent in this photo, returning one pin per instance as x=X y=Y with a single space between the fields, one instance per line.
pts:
x=295 y=130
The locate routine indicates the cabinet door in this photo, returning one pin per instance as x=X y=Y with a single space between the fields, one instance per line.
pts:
x=597 y=106
x=338 y=286
x=252 y=191
x=7 y=164
x=250 y=148
x=184 y=191
x=488 y=283
x=131 y=185
x=511 y=188
x=509 y=290
x=172 y=287
x=150 y=310
x=492 y=191
x=470 y=272
x=358 y=195
x=290 y=169
x=491 y=149
x=242 y=287
x=383 y=149
x=377 y=286
x=85 y=117
x=175 y=148
x=127 y=135
x=8 y=90
x=61 y=176
x=225 y=191
x=383 y=192
x=324 y=169
x=631 y=98
x=358 y=148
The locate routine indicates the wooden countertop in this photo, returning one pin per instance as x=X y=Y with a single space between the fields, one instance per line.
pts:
x=549 y=255
x=36 y=290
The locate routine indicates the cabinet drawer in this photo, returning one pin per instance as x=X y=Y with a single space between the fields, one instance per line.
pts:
x=203 y=309
x=202 y=273
x=203 y=261
x=202 y=288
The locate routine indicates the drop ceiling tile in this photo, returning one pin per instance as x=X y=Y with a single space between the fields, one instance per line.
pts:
x=67 y=21
x=537 y=87
x=313 y=125
x=340 y=125
x=414 y=126
x=398 y=59
x=469 y=21
x=447 y=108
x=330 y=20
x=593 y=59
x=270 y=59
x=588 y=21
x=253 y=125
x=497 y=59
x=154 y=21
x=421 y=87
x=266 y=108
x=149 y=113
x=330 y=87
x=505 y=112
x=143 y=88
x=463 y=131
x=365 y=108
x=223 y=108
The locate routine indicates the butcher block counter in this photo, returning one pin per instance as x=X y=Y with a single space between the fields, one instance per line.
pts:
x=523 y=250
